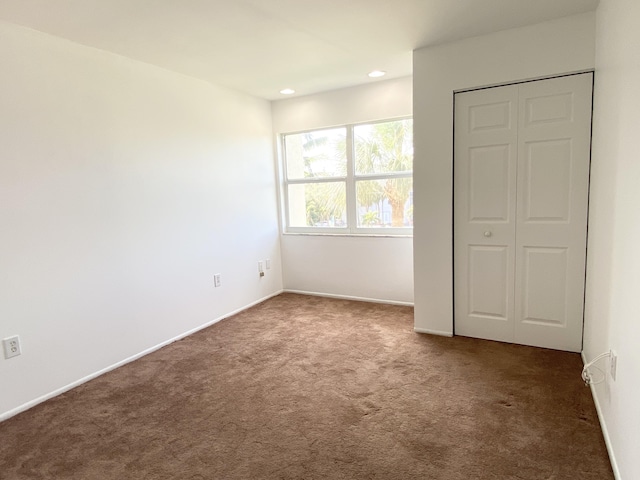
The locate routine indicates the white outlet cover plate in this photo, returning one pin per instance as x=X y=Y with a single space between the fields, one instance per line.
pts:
x=11 y=346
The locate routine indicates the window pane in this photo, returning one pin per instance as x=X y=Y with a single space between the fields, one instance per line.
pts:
x=316 y=154
x=317 y=205
x=385 y=203
x=384 y=147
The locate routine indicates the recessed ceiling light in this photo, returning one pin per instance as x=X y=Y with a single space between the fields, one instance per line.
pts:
x=377 y=73
x=287 y=91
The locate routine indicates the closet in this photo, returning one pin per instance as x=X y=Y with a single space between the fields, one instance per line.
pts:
x=521 y=181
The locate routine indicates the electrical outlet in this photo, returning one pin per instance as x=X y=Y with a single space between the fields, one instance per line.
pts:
x=12 y=346
x=267 y=263
x=217 y=281
x=613 y=364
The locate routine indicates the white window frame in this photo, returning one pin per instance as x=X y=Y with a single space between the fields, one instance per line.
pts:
x=349 y=180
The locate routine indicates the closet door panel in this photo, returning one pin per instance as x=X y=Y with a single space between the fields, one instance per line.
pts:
x=484 y=212
x=554 y=136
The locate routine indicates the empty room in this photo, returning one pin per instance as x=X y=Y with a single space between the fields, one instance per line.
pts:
x=284 y=239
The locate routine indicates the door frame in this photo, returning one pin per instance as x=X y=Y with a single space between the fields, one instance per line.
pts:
x=453 y=172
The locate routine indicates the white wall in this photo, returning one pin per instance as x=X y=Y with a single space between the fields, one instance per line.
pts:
x=612 y=316
x=550 y=48
x=123 y=189
x=373 y=268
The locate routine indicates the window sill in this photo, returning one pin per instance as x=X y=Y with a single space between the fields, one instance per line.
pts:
x=325 y=234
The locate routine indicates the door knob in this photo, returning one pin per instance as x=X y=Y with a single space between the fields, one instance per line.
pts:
x=487 y=233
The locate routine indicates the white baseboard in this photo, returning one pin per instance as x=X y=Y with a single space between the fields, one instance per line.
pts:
x=432 y=332
x=66 y=388
x=603 y=427
x=349 y=297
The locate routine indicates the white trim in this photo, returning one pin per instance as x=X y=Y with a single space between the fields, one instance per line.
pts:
x=433 y=332
x=318 y=230
x=350 y=187
x=306 y=180
x=59 y=391
x=355 y=235
x=526 y=80
x=349 y=297
x=603 y=426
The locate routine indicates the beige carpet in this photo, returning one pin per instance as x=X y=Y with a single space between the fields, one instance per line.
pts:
x=311 y=388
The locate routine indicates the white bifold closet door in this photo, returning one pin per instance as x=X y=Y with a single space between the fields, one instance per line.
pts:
x=521 y=180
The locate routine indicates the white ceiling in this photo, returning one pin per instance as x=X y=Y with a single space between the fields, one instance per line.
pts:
x=263 y=46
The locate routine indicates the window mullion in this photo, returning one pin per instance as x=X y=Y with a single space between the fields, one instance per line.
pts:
x=383 y=176
x=301 y=181
x=351 y=186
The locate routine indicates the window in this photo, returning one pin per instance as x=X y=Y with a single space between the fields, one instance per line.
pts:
x=350 y=179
